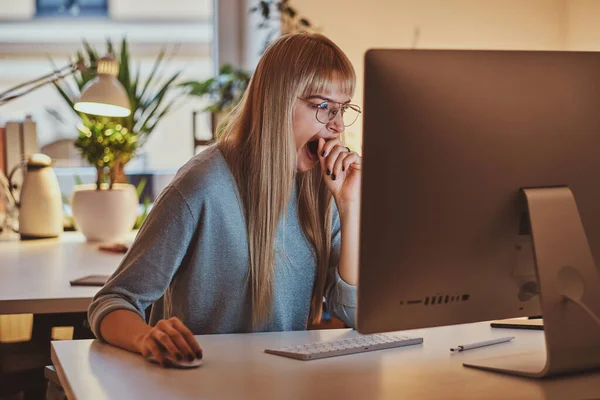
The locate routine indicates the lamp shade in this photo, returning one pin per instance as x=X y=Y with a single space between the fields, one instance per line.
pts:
x=104 y=95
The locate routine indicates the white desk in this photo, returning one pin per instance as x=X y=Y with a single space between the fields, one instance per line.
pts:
x=35 y=274
x=236 y=367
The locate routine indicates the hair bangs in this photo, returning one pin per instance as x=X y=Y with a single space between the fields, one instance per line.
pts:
x=331 y=70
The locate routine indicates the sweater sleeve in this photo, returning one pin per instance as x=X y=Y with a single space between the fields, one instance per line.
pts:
x=151 y=262
x=340 y=296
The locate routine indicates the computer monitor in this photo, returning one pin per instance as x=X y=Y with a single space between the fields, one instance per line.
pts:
x=465 y=154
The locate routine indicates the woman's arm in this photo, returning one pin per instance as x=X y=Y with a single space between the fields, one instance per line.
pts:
x=117 y=312
x=340 y=295
x=122 y=328
x=342 y=173
x=125 y=329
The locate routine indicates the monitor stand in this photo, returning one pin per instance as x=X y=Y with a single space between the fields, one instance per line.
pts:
x=569 y=291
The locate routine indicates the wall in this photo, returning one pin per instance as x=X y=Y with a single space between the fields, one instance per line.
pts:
x=583 y=27
x=466 y=24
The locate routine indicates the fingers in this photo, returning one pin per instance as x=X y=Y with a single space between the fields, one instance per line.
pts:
x=343 y=163
x=333 y=159
x=170 y=340
x=164 y=340
x=321 y=151
x=353 y=160
x=180 y=342
x=188 y=336
x=325 y=150
x=151 y=347
x=336 y=158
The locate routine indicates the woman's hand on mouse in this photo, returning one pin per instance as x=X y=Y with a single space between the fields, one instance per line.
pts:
x=341 y=171
x=169 y=338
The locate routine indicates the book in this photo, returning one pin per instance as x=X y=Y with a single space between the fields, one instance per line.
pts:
x=12 y=145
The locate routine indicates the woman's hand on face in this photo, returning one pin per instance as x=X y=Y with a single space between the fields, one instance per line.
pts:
x=341 y=171
x=169 y=338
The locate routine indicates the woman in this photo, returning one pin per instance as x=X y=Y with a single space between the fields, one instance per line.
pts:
x=253 y=232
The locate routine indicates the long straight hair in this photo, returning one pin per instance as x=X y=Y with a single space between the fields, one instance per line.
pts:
x=257 y=142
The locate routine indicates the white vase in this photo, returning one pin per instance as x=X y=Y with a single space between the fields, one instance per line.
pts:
x=104 y=215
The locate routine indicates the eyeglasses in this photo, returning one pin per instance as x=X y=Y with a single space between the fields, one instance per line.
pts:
x=326 y=111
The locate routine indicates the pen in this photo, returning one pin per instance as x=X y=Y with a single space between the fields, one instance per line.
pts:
x=482 y=344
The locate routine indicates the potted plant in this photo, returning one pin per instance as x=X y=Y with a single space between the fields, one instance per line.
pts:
x=107 y=210
x=223 y=91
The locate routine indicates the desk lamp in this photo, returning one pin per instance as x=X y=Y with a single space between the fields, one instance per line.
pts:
x=104 y=95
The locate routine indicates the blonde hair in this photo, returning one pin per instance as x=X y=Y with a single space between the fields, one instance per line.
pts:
x=257 y=141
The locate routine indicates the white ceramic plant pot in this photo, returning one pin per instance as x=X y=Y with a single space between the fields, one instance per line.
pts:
x=104 y=215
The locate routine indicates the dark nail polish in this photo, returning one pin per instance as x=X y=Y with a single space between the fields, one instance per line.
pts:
x=190 y=357
x=333 y=177
x=179 y=356
x=199 y=355
x=328 y=172
x=323 y=154
x=343 y=169
x=167 y=363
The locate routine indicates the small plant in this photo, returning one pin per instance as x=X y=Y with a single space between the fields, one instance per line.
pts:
x=108 y=143
x=105 y=143
x=224 y=91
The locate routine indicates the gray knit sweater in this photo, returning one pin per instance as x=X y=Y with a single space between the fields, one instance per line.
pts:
x=194 y=241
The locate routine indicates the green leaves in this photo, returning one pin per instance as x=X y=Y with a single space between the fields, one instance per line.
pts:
x=141 y=186
x=199 y=88
x=141 y=218
x=157 y=63
x=91 y=52
x=124 y=76
x=105 y=141
x=224 y=91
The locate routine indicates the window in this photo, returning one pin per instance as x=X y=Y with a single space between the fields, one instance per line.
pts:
x=32 y=47
x=71 y=8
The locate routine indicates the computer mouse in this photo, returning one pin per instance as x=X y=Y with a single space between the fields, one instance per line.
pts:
x=182 y=364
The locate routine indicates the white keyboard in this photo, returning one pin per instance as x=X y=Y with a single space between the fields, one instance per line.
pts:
x=342 y=347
